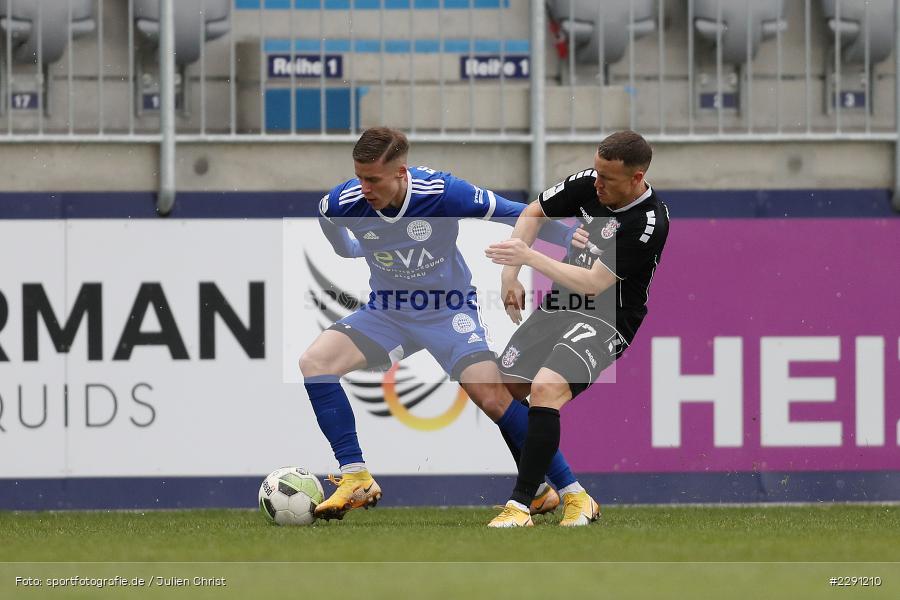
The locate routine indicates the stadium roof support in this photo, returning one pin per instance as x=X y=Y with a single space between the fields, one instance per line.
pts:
x=166 y=197
x=538 y=125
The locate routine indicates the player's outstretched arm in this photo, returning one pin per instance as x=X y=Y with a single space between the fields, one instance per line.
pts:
x=529 y=225
x=340 y=239
x=514 y=253
x=526 y=230
x=506 y=211
x=463 y=199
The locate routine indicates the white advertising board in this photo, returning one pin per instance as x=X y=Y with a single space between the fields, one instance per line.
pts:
x=170 y=347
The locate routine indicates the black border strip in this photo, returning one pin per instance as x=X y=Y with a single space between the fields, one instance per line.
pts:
x=96 y=493
x=712 y=204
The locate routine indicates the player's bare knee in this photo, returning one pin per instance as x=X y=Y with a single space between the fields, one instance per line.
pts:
x=547 y=393
x=312 y=363
x=495 y=405
x=539 y=392
x=492 y=399
x=306 y=364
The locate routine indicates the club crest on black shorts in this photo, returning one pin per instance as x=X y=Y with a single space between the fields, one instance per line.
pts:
x=510 y=357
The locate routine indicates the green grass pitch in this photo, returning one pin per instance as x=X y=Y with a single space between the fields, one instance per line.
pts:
x=633 y=552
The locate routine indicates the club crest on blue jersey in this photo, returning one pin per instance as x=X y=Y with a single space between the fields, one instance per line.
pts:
x=419 y=230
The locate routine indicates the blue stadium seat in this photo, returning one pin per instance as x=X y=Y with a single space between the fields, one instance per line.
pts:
x=308 y=109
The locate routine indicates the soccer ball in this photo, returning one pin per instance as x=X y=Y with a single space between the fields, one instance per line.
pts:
x=289 y=495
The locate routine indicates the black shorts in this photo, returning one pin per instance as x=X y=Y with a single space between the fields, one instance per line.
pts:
x=577 y=346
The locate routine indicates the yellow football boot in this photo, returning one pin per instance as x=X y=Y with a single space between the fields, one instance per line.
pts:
x=512 y=516
x=545 y=502
x=579 y=509
x=354 y=490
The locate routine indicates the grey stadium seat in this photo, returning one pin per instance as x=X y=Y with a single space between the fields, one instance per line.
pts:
x=28 y=21
x=851 y=28
x=582 y=19
x=192 y=17
x=758 y=20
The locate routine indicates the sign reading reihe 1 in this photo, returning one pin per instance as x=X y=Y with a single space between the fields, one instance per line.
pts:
x=305 y=66
x=494 y=67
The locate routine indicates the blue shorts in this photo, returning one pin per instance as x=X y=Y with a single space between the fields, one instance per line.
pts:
x=455 y=338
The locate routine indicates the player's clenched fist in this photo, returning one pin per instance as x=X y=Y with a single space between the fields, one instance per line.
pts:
x=580 y=238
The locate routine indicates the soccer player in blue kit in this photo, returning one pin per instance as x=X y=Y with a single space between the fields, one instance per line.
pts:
x=405 y=224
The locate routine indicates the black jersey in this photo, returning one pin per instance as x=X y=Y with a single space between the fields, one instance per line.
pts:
x=628 y=241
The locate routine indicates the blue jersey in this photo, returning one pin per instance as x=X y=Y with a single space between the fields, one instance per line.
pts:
x=414 y=247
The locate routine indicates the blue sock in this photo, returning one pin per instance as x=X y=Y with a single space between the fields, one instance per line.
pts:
x=335 y=417
x=514 y=424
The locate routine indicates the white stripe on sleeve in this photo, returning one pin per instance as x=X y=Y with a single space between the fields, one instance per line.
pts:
x=492 y=205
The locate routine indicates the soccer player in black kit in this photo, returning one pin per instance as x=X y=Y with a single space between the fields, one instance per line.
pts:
x=598 y=301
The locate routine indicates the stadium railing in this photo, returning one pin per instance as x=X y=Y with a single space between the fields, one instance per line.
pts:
x=452 y=70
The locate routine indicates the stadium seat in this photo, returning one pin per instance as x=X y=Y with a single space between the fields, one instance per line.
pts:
x=44 y=22
x=850 y=26
x=308 y=107
x=583 y=19
x=191 y=18
x=737 y=21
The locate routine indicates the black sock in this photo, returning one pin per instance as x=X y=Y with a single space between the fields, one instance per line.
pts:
x=513 y=448
x=541 y=443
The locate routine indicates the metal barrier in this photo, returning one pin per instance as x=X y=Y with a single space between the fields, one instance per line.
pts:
x=451 y=70
x=314 y=69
